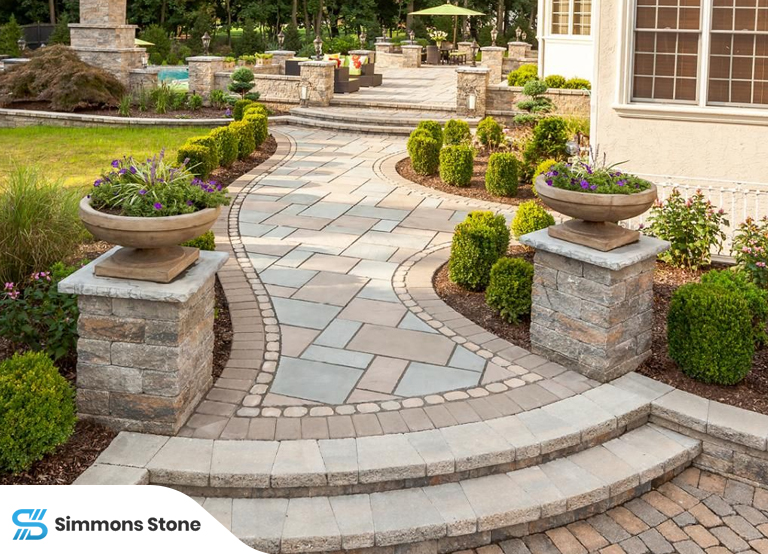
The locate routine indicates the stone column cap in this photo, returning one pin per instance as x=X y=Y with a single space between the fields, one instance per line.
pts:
x=469 y=69
x=467 y=42
x=281 y=52
x=413 y=46
x=493 y=49
x=361 y=52
x=518 y=43
x=84 y=282
x=317 y=63
x=644 y=249
x=205 y=59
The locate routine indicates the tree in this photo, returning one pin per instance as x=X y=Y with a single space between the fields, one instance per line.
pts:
x=60 y=34
x=10 y=33
x=292 y=38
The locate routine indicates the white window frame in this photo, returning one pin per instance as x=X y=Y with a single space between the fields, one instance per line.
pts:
x=701 y=110
x=571 y=13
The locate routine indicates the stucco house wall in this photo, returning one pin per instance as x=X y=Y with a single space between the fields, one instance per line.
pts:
x=566 y=55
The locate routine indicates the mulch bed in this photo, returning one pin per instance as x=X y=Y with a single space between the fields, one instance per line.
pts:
x=202 y=113
x=222 y=332
x=476 y=188
x=750 y=394
x=227 y=175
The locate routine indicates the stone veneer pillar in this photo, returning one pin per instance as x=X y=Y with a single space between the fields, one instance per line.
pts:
x=370 y=53
x=412 y=55
x=318 y=77
x=471 y=81
x=280 y=56
x=518 y=50
x=102 y=38
x=465 y=48
x=202 y=74
x=593 y=311
x=385 y=47
x=145 y=352
x=493 y=57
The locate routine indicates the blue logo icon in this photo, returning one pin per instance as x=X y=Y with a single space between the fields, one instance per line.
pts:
x=25 y=531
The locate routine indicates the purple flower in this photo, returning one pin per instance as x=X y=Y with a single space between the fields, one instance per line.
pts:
x=593 y=187
x=115 y=163
x=158 y=206
x=98 y=182
x=228 y=113
x=133 y=170
x=190 y=203
x=549 y=182
x=122 y=171
x=621 y=182
x=584 y=184
x=142 y=192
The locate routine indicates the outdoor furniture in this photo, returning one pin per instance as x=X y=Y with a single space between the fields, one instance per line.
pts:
x=457 y=58
x=343 y=83
x=433 y=55
x=369 y=77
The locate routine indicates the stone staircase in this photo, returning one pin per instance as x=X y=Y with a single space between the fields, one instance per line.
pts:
x=438 y=490
x=386 y=120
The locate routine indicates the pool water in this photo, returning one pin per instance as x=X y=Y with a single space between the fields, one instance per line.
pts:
x=173 y=75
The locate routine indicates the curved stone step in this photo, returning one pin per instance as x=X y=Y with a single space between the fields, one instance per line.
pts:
x=375 y=117
x=371 y=464
x=345 y=126
x=470 y=513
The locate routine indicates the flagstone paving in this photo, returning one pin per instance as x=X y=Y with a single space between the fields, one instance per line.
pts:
x=340 y=256
x=427 y=86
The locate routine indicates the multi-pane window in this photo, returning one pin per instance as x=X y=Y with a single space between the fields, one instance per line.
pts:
x=705 y=52
x=571 y=17
x=738 y=61
x=666 y=50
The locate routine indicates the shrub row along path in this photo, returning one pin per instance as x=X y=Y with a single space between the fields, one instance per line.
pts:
x=340 y=252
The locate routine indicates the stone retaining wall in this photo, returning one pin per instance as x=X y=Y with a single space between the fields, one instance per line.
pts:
x=503 y=98
x=272 y=87
x=10 y=118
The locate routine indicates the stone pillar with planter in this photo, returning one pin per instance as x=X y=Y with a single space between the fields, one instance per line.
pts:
x=280 y=56
x=493 y=57
x=202 y=74
x=471 y=89
x=412 y=55
x=518 y=50
x=317 y=77
x=145 y=350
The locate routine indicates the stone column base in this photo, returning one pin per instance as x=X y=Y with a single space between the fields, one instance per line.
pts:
x=493 y=58
x=280 y=56
x=115 y=61
x=412 y=55
x=202 y=74
x=145 y=352
x=471 y=90
x=593 y=311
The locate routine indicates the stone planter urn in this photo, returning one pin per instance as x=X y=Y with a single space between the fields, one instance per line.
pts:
x=595 y=215
x=151 y=250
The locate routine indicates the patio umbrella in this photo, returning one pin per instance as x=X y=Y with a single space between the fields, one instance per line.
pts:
x=448 y=9
x=139 y=42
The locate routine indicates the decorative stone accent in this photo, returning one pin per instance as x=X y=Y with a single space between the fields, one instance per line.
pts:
x=145 y=350
x=412 y=55
x=318 y=76
x=471 y=82
x=202 y=73
x=493 y=57
x=593 y=311
x=518 y=50
x=279 y=57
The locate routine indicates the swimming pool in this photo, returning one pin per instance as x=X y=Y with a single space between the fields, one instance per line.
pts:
x=173 y=74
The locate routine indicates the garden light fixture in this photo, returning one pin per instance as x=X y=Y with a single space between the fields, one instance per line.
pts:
x=472 y=102
x=363 y=38
x=22 y=44
x=412 y=35
x=572 y=148
x=524 y=35
x=280 y=39
x=318 y=42
x=475 y=50
x=518 y=33
x=144 y=60
x=304 y=94
x=206 y=42
x=494 y=34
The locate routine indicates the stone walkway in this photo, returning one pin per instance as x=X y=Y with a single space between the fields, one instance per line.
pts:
x=340 y=252
x=433 y=86
x=697 y=512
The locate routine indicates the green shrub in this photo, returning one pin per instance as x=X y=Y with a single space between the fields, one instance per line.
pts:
x=555 y=81
x=37 y=410
x=434 y=129
x=34 y=315
x=692 y=226
x=259 y=125
x=501 y=177
x=201 y=160
x=61 y=34
x=256 y=108
x=206 y=241
x=530 y=217
x=490 y=133
x=479 y=240
x=424 y=151
x=577 y=83
x=39 y=223
x=510 y=288
x=756 y=298
x=456 y=132
x=709 y=332
x=246 y=142
x=195 y=102
x=542 y=168
x=239 y=110
x=218 y=99
x=228 y=145
x=536 y=105
x=10 y=33
x=124 y=108
x=242 y=81
x=523 y=74
x=161 y=43
x=750 y=248
x=457 y=165
x=548 y=141
x=209 y=141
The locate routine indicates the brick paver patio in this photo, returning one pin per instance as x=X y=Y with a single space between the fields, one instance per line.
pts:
x=425 y=86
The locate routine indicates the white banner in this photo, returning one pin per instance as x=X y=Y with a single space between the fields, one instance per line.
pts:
x=114 y=519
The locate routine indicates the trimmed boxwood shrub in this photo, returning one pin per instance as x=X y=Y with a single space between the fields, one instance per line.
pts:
x=206 y=241
x=257 y=108
x=246 y=142
x=228 y=145
x=479 y=241
x=433 y=128
x=523 y=74
x=577 y=83
x=490 y=133
x=424 y=151
x=555 y=81
x=543 y=167
x=208 y=141
x=548 y=141
x=456 y=131
x=510 y=288
x=37 y=410
x=201 y=160
x=260 y=127
x=456 y=165
x=239 y=110
x=709 y=332
x=530 y=217
x=501 y=176
x=756 y=298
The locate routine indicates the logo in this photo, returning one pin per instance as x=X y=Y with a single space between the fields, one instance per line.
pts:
x=26 y=528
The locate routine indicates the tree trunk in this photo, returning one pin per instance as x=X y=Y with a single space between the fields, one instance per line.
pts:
x=295 y=13
x=228 y=4
x=409 y=17
x=52 y=11
x=162 y=12
x=307 y=23
x=319 y=22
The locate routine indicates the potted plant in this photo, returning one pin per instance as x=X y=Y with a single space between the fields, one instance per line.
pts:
x=264 y=59
x=150 y=208
x=229 y=62
x=438 y=36
x=596 y=197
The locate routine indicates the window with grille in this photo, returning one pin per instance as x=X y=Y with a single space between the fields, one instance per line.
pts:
x=561 y=17
x=582 y=17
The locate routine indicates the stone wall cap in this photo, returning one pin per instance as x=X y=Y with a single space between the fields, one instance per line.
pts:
x=518 y=43
x=84 y=282
x=361 y=52
x=470 y=69
x=317 y=63
x=414 y=46
x=281 y=52
x=493 y=49
x=644 y=249
x=205 y=59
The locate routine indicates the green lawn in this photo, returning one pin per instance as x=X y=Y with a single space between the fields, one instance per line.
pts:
x=78 y=155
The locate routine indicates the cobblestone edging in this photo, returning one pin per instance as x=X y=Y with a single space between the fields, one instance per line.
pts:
x=25 y=118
